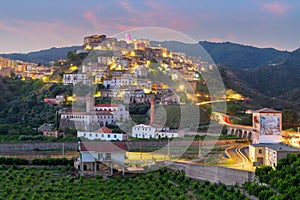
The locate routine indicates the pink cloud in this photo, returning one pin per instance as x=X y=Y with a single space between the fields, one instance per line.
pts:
x=153 y=15
x=230 y=37
x=275 y=8
x=126 y=6
x=215 y=40
x=8 y=28
x=90 y=16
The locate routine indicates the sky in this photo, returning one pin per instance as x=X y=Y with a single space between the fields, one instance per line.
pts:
x=33 y=25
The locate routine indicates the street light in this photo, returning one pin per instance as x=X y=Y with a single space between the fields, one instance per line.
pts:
x=181 y=87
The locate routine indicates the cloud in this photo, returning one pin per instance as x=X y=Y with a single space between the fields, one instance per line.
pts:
x=215 y=40
x=27 y=35
x=127 y=6
x=90 y=16
x=8 y=28
x=275 y=8
x=149 y=14
x=231 y=36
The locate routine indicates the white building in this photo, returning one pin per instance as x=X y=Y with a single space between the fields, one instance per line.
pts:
x=119 y=112
x=103 y=133
x=105 y=60
x=136 y=96
x=123 y=81
x=76 y=78
x=141 y=71
x=269 y=154
x=267 y=126
x=89 y=118
x=152 y=131
x=101 y=157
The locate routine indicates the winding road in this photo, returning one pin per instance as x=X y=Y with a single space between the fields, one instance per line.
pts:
x=238 y=156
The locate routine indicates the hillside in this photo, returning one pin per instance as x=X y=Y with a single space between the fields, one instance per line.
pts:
x=257 y=99
x=43 y=56
x=235 y=55
x=282 y=80
x=258 y=73
x=242 y=56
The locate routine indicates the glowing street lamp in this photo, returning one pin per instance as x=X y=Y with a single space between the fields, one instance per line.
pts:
x=181 y=87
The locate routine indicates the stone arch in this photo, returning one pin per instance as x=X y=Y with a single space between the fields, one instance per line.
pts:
x=232 y=131
x=244 y=135
x=240 y=133
x=249 y=136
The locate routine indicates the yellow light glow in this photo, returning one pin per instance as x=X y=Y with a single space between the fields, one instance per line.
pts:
x=73 y=67
x=132 y=53
x=164 y=54
x=97 y=94
x=70 y=98
x=181 y=87
x=45 y=79
x=112 y=65
x=147 y=91
x=148 y=62
x=88 y=47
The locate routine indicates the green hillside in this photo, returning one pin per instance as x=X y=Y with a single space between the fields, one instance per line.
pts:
x=43 y=56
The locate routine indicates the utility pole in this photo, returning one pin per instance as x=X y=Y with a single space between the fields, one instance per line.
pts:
x=169 y=148
x=63 y=150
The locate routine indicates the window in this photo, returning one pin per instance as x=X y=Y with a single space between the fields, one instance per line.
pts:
x=260 y=151
x=100 y=156
x=108 y=136
x=115 y=136
x=96 y=135
x=108 y=156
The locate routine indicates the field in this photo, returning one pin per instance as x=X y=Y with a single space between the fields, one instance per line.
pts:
x=56 y=183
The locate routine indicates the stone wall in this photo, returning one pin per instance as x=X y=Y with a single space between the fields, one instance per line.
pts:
x=37 y=146
x=213 y=174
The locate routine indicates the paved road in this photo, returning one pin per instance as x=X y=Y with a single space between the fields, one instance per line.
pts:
x=239 y=158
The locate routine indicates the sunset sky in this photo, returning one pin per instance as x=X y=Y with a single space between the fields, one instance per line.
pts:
x=30 y=25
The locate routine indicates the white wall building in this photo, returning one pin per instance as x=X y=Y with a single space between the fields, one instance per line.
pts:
x=141 y=71
x=76 y=78
x=101 y=157
x=89 y=118
x=119 y=112
x=152 y=131
x=118 y=82
x=103 y=133
x=267 y=126
x=105 y=60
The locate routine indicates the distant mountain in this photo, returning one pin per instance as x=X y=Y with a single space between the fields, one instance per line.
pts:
x=242 y=56
x=268 y=76
x=43 y=56
x=276 y=80
x=236 y=55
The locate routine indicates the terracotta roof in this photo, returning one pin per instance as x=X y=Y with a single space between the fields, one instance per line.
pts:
x=104 y=129
x=94 y=113
x=266 y=110
x=107 y=105
x=103 y=146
